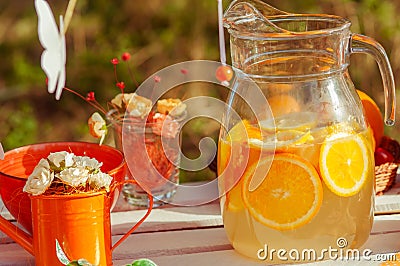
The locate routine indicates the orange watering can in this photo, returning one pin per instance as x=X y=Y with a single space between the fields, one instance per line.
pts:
x=79 y=223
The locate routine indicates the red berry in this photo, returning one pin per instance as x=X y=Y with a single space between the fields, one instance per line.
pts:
x=126 y=56
x=114 y=61
x=90 y=96
x=224 y=73
x=382 y=156
x=121 y=85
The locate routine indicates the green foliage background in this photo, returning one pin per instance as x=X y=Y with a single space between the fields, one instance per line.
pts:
x=157 y=33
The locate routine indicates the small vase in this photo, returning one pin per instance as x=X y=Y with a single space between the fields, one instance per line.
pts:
x=151 y=156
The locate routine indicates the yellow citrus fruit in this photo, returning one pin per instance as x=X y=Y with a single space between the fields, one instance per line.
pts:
x=288 y=197
x=234 y=200
x=373 y=116
x=243 y=131
x=344 y=163
x=232 y=160
x=301 y=121
x=282 y=104
x=282 y=141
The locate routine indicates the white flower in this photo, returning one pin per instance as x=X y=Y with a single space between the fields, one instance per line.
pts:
x=87 y=162
x=122 y=99
x=139 y=106
x=74 y=176
x=97 y=126
x=174 y=107
x=100 y=180
x=57 y=158
x=136 y=105
x=40 y=179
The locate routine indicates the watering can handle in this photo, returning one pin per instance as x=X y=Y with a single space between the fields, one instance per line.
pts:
x=364 y=44
x=16 y=234
x=131 y=181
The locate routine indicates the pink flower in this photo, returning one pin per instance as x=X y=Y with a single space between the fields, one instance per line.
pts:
x=157 y=79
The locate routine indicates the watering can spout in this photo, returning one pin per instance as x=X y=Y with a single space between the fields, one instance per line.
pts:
x=18 y=235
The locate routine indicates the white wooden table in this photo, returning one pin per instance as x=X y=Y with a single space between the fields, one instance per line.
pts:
x=195 y=236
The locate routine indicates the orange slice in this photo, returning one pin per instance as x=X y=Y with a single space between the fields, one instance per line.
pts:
x=234 y=200
x=289 y=196
x=282 y=141
x=243 y=131
x=231 y=160
x=344 y=163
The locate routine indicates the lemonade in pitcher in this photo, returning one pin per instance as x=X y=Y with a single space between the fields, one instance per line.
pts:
x=295 y=156
x=315 y=191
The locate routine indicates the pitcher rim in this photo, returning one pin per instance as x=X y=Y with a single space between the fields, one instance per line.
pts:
x=344 y=24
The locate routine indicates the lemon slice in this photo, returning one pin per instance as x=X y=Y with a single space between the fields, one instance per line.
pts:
x=290 y=193
x=301 y=121
x=242 y=131
x=344 y=163
x=282 y=140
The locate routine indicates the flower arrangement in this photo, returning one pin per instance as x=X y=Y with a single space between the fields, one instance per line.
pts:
x=130 y=105
x=64 y=173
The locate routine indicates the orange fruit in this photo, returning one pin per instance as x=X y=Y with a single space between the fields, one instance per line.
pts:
x=344 y=163
x=283 y=104
x=234 y=200
x=243 y=131
x=373 y=116
x=232 y=162
x=289 y=196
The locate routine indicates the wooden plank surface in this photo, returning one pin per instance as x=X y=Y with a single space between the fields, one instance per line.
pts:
x=194 y=236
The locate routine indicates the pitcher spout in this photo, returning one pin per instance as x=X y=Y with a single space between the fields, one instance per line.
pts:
x=15 y=233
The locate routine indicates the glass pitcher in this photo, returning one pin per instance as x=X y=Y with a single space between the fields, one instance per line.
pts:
x=296 y=170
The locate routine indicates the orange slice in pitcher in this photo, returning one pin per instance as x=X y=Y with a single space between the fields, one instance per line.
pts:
x=234 y=200
x=243 y=131
x=289 y=196
x=282 y=141
x=344 y=163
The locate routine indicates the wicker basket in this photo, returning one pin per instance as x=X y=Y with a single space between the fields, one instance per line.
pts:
x=385 y=176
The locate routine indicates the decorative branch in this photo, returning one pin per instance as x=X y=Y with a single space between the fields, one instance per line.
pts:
x=69 y=13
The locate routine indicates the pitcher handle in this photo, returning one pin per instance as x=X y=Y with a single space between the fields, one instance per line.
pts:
x=131 y=181
x=365 y=44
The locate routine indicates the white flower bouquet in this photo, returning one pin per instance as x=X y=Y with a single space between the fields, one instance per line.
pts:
x=65 y=173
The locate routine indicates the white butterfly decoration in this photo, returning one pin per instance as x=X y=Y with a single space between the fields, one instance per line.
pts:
x=53 y=41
